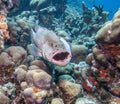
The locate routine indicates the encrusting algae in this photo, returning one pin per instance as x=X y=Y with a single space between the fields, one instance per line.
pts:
x=3 y=30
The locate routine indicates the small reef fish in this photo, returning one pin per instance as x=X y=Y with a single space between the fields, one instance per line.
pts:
x=46 y=44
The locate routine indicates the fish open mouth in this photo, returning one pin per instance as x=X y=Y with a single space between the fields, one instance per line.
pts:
x=61 y=56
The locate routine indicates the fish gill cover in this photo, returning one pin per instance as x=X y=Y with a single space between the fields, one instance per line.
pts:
x=85 y=33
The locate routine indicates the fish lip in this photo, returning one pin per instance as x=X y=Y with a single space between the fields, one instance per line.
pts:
x=63 y=61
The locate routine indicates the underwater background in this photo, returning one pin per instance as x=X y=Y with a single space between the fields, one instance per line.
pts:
x=59 y=52
x=110 y=6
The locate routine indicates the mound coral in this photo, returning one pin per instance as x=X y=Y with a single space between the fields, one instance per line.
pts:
x=17 y=54
x=110 y=33
x=20 y=72
x=5 y=60
x=40 y=64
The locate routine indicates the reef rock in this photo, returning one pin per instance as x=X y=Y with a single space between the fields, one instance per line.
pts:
x=104 y=60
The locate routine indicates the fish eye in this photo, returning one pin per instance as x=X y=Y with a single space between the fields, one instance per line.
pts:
x=51 y=44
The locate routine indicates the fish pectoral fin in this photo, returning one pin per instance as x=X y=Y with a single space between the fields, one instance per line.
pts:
x=33 y=50
x=40 y=54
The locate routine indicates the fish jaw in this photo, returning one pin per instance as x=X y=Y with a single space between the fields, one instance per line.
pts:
x=61 y=58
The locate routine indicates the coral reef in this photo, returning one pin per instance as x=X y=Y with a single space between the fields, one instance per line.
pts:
x=28 y=79
x=70 y=24
x=104 y=60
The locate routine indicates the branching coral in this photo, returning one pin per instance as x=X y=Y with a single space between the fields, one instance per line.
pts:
x=37 y=2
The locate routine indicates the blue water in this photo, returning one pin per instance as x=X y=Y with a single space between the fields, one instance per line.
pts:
x=110 y=6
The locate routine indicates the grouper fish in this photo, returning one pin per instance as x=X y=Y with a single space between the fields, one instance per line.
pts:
x=46 y=44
